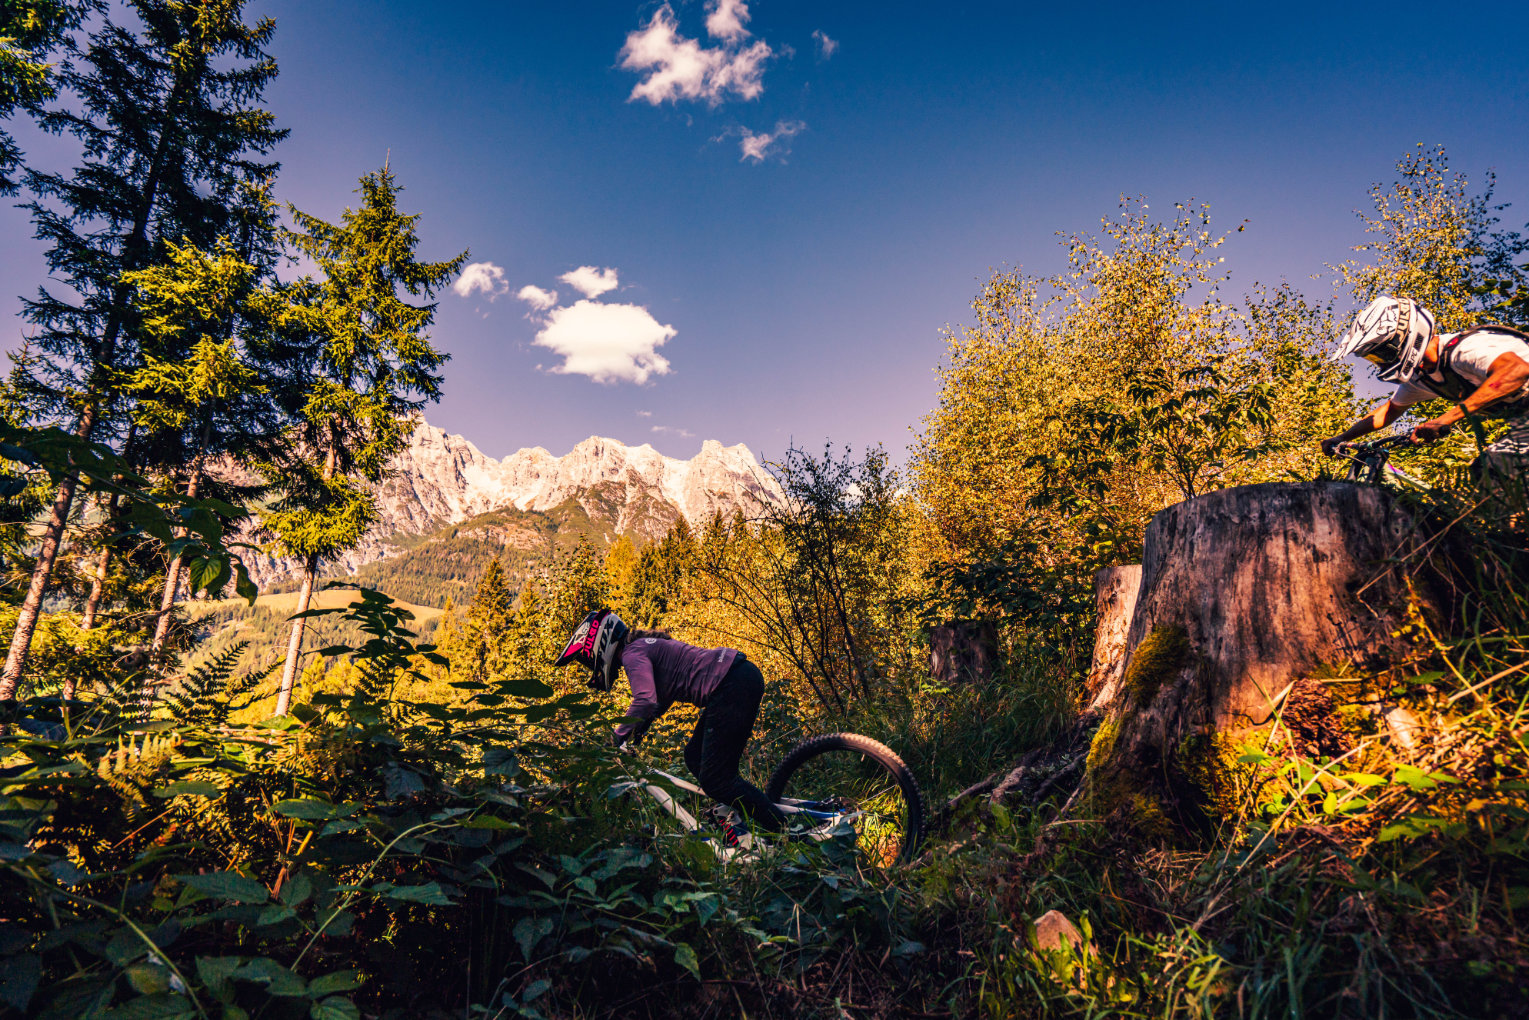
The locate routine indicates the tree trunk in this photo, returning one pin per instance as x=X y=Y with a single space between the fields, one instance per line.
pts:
x=295 y=642
x=42 y=572
x=1244 y=594
x=963 y=652
x=103 y=561
x=173 y=574
x=1115 y=590
x=132 y=249
x=97 y=590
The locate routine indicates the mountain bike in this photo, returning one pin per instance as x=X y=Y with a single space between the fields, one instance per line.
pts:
x=838 y=786
x=1370 y=462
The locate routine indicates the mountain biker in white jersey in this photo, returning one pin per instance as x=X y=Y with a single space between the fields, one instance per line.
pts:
x=661 y=671
x=1483 y=372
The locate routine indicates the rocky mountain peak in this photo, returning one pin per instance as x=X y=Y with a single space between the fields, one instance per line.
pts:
x=442 y=479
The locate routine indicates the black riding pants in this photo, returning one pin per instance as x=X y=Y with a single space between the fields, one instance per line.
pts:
x=716 y=746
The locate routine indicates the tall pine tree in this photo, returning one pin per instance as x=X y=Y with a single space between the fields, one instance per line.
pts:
x=375 y=368
x=208 y=375
x=168 y=122
x=30 y=32
x=483 y=642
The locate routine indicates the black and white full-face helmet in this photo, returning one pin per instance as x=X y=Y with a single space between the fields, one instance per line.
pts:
x=596 y=645
x=1390 y=333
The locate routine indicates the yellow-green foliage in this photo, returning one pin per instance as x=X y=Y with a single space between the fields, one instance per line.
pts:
x=1160 y=654
x=1209 y=762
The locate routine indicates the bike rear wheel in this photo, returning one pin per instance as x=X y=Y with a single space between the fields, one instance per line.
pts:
x=863 y=781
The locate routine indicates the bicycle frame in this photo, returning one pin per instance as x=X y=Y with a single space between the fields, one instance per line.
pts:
x=1370 y=462
x=809 y=810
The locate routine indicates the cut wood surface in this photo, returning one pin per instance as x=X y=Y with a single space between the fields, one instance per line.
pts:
x=1268 y=582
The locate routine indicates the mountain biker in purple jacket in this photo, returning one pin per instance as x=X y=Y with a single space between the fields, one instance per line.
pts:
x=661 y=671
x=1482 y=372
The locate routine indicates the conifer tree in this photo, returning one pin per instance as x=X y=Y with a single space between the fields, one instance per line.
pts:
x=488 y=625
x=185 y=298
x=374 y=369
x=30 y=31
x=170 y=129
x=209 y=362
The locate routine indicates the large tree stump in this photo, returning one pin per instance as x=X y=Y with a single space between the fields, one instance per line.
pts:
x=1244 y=593
x=1115 y=590
x=963 y=651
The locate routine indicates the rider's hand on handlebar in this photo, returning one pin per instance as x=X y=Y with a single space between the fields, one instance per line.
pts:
x=1332 y=446
x=1431 y=430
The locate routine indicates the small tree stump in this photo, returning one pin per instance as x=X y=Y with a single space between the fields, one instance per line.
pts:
x=1115 y=590
x=1243 y=593
x=963 y=651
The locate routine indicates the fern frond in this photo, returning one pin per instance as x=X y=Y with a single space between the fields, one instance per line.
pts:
x=202 y=695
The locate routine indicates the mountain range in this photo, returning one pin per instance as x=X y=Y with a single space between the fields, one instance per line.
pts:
x=446 y=507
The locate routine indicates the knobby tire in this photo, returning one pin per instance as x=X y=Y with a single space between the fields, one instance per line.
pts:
x=885 y=760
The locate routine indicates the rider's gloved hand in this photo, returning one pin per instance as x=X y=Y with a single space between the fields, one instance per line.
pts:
x=1330 y=446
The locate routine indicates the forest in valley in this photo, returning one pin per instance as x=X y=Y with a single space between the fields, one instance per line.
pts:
x=375 y=797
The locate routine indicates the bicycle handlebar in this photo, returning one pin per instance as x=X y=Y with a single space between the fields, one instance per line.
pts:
x=1401 y=439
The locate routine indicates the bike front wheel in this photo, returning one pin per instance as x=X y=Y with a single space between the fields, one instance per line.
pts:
x=858 y=783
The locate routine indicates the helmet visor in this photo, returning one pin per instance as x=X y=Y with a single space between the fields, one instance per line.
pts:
x=1384 y=353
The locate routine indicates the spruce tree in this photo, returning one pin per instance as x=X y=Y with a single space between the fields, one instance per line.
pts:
x=374 y=369
x=489 y=621
x=170 y=130
x=30 y=32
x=186 y=294
x=210 y=364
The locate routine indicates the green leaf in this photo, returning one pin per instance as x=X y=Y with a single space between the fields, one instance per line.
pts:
x=278 y=980
x=307 y=808
x=339 y=981
x=297 y=890
x=685 y=957
x=148 y=978
x=430 y=892
x=275 y=914
x=152 y=1007
x=243 y=586
x=216 y=972
x=189 y=788
x=227 y=885
x=336 y=1007
x=18 y=981
x=535 y=990
x=528 y=931
x=487 y=822
x=525 y=687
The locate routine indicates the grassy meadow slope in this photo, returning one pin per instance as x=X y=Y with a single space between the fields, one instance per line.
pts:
x=264 y=626
x=447 y=563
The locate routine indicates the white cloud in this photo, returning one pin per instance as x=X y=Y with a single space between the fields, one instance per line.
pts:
x=678 y=68
x=727 y=20
x=826 y=46
x=644 y=414
x=671 y=430
x=769 y=143
x=484 y=277
x=540 y=300
x=608 y=343
x=589 y=281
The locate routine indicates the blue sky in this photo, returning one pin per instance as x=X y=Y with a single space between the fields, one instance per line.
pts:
x=819 y=188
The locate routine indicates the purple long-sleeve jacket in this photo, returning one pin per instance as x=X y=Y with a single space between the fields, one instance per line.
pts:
x=663 y=671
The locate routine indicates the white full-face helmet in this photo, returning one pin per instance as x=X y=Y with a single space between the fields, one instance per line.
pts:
x=1391 y=333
